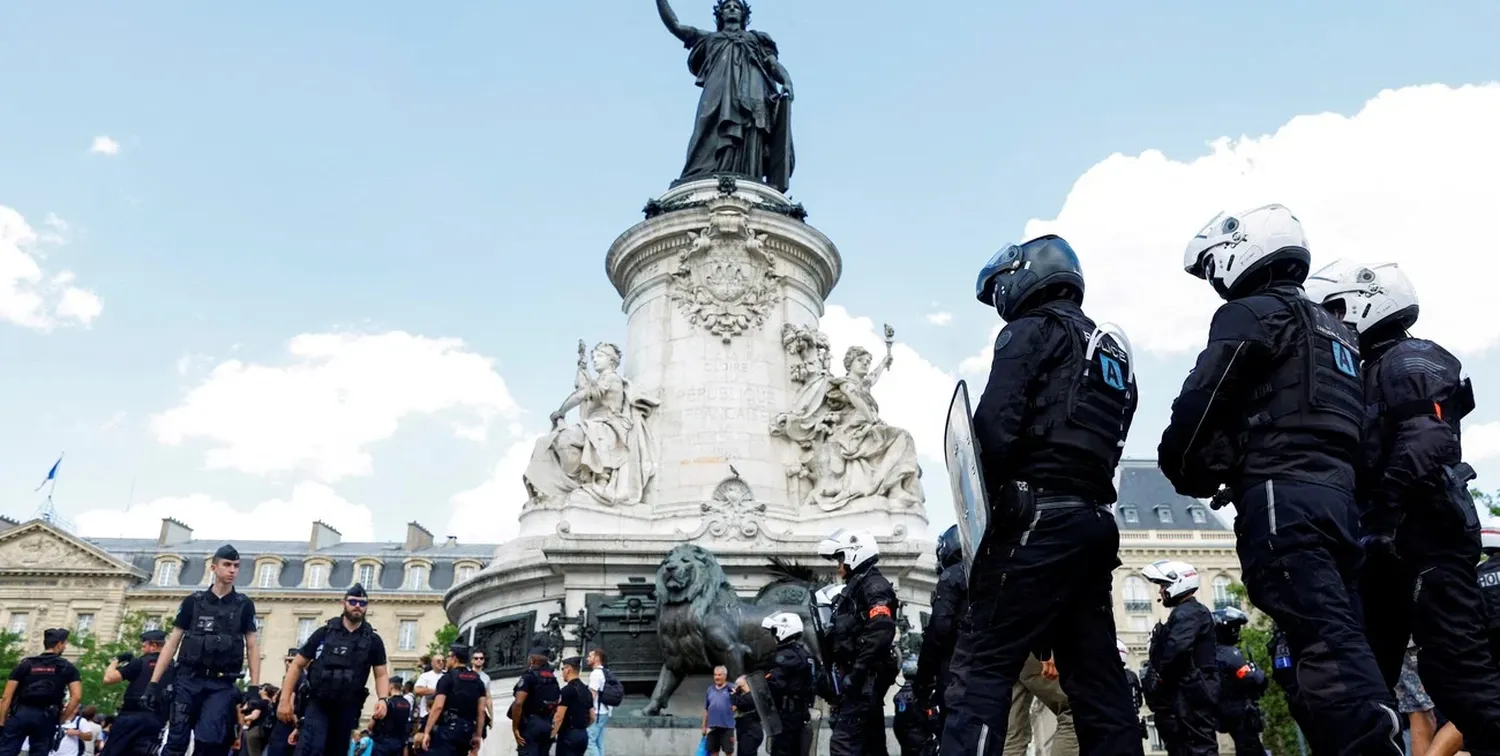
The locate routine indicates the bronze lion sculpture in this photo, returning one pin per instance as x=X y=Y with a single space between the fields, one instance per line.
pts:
x=702 y=623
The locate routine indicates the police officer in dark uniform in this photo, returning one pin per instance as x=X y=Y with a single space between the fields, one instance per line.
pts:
x=749 y=730
x=391 y=732
x=1419 y=515
x=1489 y=585
x=278 y=742
x=863 y=633
x=1050 y=428
x=910 y=723
x=949 y=603
x=456 y=719
x=1241 y=684
x=1184 y=682
x=536 y=694
x=339 y=658
x=575 y=711
x=1133 y=681
x=792 y=682
x=136 y=730
x=32 y=706
x=212 y=639
x=1272 y=412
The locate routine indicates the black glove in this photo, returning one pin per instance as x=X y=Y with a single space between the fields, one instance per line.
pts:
x=1381 y=548
x=150 y=699
x=854 y=682
x=124 y=658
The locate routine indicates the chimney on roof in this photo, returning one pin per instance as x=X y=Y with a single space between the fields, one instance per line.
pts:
x=173 y=532
x=452 y=541
x=417 y=537
x=323 y=536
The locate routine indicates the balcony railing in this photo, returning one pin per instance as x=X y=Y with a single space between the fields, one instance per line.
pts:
x=1134 y=606
x=1225 y=603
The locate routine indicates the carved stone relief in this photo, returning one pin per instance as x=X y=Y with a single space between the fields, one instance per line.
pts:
x=733 y=511
x=726 y=281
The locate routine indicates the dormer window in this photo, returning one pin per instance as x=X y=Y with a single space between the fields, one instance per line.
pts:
x=267 y=575
x=365 y=575
x=1130 y=514
x=1164 y=514
x=166 y=572
x=416 y=577
x=1199 y=516
x=317 y=576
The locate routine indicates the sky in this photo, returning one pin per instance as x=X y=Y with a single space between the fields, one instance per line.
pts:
x=265 y=264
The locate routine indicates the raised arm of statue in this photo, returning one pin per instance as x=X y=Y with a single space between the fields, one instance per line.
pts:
x=781 y=75
x=879 y=370
x=679 y=30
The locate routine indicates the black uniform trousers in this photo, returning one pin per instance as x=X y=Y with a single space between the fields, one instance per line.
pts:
x=1187 y=723
x=1432 y=594
x=749 y=733
x=453 y=736
x=388 y=745
x=38 y=724
x=1049 y=584
x=276 y=745
x=794 y=736
x=1300 y=564
x=326 y=727
x=859 y=724
x=203 y=707
x=572 y=741
x=135 y=733
x=536 y=729
x=1245 y=730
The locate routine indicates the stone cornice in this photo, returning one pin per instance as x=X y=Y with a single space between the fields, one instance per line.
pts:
x=176 y=593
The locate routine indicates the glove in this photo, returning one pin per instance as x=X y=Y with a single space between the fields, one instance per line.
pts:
x=854 y=682
x=124 y=658
x=1380 y=547
x=150 y=699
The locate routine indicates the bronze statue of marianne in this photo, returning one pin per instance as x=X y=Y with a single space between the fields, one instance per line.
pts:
x=743 y=126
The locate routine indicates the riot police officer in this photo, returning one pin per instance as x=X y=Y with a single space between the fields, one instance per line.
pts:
x=391 y=731
x=136 y=730
x=1419 y=516
x=1050 y=428
x=456 y=719
x=212 y=640
x=1185 y=685
x=1241 y=684
x=1272 y=413
x=537 y=693
x=790 y=681
x=949 y=603
x=339 y=658
x=910 y=723
x=32 y=706
x=1137 y=697
x=1489 y=585
x=864 y=631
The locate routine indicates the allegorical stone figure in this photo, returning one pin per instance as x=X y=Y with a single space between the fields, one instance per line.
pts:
x=609 y=453
x=743 y=126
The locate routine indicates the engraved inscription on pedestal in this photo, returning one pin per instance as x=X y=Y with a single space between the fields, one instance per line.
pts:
x=726 y=282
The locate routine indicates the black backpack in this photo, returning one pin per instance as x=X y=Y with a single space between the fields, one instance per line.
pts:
x=613 y=693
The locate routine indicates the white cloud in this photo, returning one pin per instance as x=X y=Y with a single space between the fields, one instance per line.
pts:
x=27 y=297
x=275 y=520
x=489 y=513
x=103 y=145
x=913 y=394
x=1405 y=179
x=939 y=318
x=339 y=393
x=1481 y=442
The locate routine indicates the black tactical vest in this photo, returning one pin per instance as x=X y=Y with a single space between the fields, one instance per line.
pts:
x=1385 y=413
x=1086 y=403
x=397 y=719
x=137 y=687
x=213 y=642
x=542 y=691
x=343 y=664
x=1316 y=386
x=1489 y=587
x=462 y=700
x=798 y=671
x=577 y=717
x=43 y=686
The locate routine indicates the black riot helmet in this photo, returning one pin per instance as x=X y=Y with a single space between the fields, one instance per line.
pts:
x=1227 y=624
x=1022 y=276
x=949 y=550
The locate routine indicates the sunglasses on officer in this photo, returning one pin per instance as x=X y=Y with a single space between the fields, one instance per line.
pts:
x=357 y=602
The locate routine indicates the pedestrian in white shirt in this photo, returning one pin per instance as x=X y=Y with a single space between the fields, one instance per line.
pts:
x=601 y=711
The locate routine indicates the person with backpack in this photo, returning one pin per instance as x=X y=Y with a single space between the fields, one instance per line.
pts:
x=608 y=693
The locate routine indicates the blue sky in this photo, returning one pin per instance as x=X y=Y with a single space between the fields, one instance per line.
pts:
x=458 y=171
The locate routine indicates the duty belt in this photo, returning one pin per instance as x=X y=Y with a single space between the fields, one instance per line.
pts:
x=210 y=674
x=1046 y=502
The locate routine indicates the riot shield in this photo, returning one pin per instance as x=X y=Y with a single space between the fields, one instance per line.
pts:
x=970 y=504
x=770 y=716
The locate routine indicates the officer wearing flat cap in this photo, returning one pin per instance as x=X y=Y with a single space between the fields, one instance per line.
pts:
x=391 y=732
x=212 y=639
x=32 y=706
x=537 y=693
x=338 y=657
x=459 y=706
x=136 y=730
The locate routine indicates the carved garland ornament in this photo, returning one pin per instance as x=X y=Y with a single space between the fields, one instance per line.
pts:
x=726 y=282
x=733 y=511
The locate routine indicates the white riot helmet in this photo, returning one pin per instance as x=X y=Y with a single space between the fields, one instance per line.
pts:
x=852 y=547
x=1368 y=295
x=1230 y=247
x=783 y=625
x=1178 y=578
x=1124 y=651
x=1490 y=538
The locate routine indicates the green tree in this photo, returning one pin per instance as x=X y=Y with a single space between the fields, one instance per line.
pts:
x=1488 y=501
x=11 y=652
x=444 y=638
x=95 y=656
x=1281 y=734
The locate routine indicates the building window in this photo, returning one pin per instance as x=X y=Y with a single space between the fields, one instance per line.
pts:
x=260 y=622
x=465 y=573
x=317 y=576
x=1138 y=623
x=152 y=623
x=166 y=573
x=305 y=628
x=19 y=623
x=1222 y=596
x=416 y=577
x=407 y=639
x=367 y=575
x=266 y=576
x=1199 y=516
x=85 y=623
x=1131 y=515
x=1137 y=596
x=1164 y=513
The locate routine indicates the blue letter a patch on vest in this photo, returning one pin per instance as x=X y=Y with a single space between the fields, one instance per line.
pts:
x=1114 y=375
x=1343 y=359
